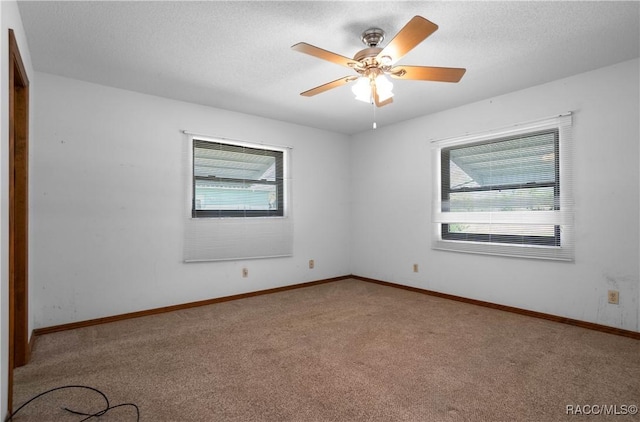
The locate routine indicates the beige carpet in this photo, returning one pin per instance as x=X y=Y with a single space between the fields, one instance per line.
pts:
x=342 y=351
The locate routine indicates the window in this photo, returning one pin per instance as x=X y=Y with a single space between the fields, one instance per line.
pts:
x=236 y=181
x=512 y=174
x=504 y=193
x=237 y=200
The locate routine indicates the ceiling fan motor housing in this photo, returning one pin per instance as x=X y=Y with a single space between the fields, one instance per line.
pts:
x=366 y=58
x=367 y=53
x=372 y=37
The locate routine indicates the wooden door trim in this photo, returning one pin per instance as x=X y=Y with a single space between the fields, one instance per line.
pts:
x=19 y=347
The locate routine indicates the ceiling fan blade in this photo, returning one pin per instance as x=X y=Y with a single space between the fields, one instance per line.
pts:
x=376 y=98
x=412 y=34
x=318 y=52
x=427 y=73
x=384 y=103
x=328 y=86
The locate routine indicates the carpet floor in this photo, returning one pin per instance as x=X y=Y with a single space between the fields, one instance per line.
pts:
x=342 y=351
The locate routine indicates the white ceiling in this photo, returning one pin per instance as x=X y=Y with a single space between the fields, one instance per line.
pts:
x=236 y=55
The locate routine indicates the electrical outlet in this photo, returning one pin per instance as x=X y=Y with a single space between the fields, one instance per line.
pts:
x=245 y=272
x=312 y=264
x=415 y=268
x=613 y=296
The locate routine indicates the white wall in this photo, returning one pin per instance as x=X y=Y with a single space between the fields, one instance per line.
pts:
x=10 y=18
x=107 y=209
x=108 y=191
x=392 y=188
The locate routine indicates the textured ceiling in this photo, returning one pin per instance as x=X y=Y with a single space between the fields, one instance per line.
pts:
x=237 y=56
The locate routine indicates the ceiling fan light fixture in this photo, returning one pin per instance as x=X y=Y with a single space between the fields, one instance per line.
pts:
x=383 y=87
x=362 y=89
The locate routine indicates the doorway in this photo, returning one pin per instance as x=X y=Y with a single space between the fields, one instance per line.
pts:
x=19 y=349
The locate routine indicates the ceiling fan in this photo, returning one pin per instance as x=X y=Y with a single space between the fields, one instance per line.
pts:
x=373 y=63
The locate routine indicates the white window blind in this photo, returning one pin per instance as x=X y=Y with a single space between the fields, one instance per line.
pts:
x=506 y=192
x=237 y=201
x=236 y=181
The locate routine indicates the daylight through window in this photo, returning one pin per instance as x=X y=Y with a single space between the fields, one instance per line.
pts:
x=236 y=181
x=506 y=193
x=517 y=174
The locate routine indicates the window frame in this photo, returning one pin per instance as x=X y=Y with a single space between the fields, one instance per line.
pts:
x=446 y=191
x=562 y=215
x=279 y=182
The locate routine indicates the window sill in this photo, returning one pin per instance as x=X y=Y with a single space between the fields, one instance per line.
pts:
x=554 y=253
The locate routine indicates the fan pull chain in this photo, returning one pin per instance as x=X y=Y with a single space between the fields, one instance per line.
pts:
x=375 y=126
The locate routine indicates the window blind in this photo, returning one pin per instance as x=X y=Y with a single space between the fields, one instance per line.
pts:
x=236 y=181
x=506 y=192
x=232 y=211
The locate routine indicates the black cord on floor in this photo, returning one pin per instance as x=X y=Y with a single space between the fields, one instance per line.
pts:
x=107 y=408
